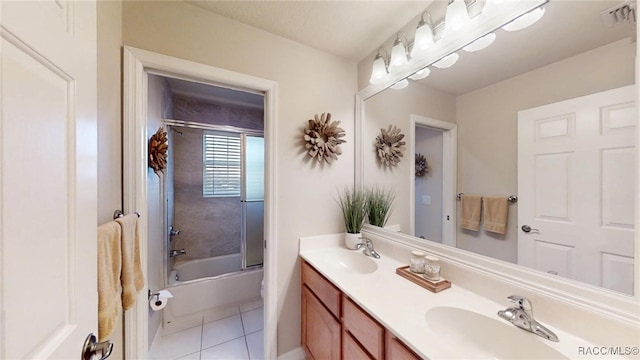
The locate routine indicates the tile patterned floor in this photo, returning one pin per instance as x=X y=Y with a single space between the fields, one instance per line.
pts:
x=236 y=337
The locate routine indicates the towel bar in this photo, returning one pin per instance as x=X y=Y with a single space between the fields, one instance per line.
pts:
x=119 y=214
x=511 y=198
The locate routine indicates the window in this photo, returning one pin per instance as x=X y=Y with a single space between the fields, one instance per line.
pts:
x=221 y=167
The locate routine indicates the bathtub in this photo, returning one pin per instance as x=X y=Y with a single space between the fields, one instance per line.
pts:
x=214 y=296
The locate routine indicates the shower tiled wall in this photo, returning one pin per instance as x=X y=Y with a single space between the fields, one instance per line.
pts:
x=208 y=226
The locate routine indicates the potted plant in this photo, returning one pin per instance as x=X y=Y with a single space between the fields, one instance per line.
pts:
x=379 y=201
x=353 y=203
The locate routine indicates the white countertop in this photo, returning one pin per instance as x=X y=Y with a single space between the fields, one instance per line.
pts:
x=401 y=306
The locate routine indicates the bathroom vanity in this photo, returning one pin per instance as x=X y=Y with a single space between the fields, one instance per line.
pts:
x=357 y=307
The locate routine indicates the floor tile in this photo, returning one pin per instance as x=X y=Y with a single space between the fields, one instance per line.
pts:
x=255 y=344
x=220 y=331
x=176 y=345
x=251 y=305
x=253 y=320
x=221 y=313
x=230 y=350
x=194 y=356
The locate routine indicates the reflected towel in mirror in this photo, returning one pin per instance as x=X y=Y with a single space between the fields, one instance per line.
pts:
x=471 y=207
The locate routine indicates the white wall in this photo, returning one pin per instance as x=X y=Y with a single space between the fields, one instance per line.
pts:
x=109 y=40
x=396 y=107
x=428 y=217
x=487 y=128
x=309 y=82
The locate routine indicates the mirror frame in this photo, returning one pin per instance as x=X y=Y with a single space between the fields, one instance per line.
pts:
x=622 y=307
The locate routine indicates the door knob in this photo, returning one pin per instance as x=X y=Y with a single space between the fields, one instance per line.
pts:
x=528 y=229
x=93 y=349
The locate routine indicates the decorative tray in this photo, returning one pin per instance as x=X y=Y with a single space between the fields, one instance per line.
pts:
x=433 y=286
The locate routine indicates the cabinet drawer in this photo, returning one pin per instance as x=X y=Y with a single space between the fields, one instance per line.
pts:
x=363 y=328
x=322 y=288
x=396 y=350
x=351 y=350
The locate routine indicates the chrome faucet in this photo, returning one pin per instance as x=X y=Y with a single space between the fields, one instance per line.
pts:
x=368 y=248
x=174 y=253
x=521 y=316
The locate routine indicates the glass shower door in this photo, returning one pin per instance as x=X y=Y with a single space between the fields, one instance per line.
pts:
x=252 y=232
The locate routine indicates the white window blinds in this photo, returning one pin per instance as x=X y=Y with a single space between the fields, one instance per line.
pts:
x=222 y=166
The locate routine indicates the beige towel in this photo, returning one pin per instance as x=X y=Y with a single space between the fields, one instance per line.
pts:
x=495 y=211
x=132 y=277
x=471 y=206
x=109 y=268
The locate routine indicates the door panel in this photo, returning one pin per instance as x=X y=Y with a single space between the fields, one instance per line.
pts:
x=48 y=178
x=576 y=182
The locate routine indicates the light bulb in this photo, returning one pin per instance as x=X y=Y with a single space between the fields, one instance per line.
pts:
x=423 y=39
x=447 y=61
x=400 y=84
x=480 y=43
x=378 y=71
x=421 y=74
x=456 y=17
x=525 y=20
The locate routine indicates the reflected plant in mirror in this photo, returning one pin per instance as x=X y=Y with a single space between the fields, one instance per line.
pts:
x=547 y=113
x=379 y=202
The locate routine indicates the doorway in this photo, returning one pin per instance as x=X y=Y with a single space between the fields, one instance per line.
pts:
x=139 y=65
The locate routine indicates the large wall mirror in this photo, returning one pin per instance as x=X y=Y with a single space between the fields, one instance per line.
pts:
x=546 y=114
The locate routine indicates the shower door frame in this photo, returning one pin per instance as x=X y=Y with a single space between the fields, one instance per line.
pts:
x=138 y=64
x=243 y=132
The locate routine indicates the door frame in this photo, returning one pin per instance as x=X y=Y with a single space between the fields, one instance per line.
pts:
x=449 y=174
x=138 y=64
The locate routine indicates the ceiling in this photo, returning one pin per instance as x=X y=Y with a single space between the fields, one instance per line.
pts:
x=354 y=29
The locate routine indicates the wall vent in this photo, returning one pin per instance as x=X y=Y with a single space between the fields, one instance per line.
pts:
x=621 y=13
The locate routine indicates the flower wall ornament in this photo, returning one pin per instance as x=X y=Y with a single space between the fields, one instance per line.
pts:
x=422 y=167
x=323 y=138
x=390 y=146
x=158 y=146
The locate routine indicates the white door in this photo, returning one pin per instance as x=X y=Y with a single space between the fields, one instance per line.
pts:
x=47 y=178
x=576 y=176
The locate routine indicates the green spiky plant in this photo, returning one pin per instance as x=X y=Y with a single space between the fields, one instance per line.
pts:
x=379 y=202
x=353 y=203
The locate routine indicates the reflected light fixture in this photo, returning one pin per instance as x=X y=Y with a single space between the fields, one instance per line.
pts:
x=420 y=74
x=480 y=43
x=456 y=17
x=447 y=61
x=379 y=71
x=400 y=84
x=525 y=20
x=424 y=36
x=399 y=53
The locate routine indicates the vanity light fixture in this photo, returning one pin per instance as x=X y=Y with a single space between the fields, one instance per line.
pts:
x=424 y=36
x=420 y=74
x=447 y=61
x=525 y=20
x=480 y=43
x=379 y=72
x=456 y=17
x=399 y=52
x=400 y=84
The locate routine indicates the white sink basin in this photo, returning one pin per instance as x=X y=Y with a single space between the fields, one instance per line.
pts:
x=477 y=336
x=351 y=261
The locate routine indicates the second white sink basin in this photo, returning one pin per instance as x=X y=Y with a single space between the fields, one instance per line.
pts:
x=477 y=336
x=351 y=261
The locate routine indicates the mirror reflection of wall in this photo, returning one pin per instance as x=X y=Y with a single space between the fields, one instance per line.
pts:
x=486 y=114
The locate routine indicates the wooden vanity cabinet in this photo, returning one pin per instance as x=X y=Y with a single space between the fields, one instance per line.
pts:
x=396 y=350
x=335 y=327
x=321 y=329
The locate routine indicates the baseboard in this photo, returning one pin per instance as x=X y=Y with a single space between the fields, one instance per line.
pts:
x=295 y=354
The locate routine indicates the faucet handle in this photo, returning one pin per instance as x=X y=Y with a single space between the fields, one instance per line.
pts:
x=521 y=301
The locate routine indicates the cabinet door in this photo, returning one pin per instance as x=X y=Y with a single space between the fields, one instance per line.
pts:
x=320 y=330
x=396 y=350
x=351 y=350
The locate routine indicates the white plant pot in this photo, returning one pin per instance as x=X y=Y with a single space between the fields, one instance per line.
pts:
x=351 y=240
